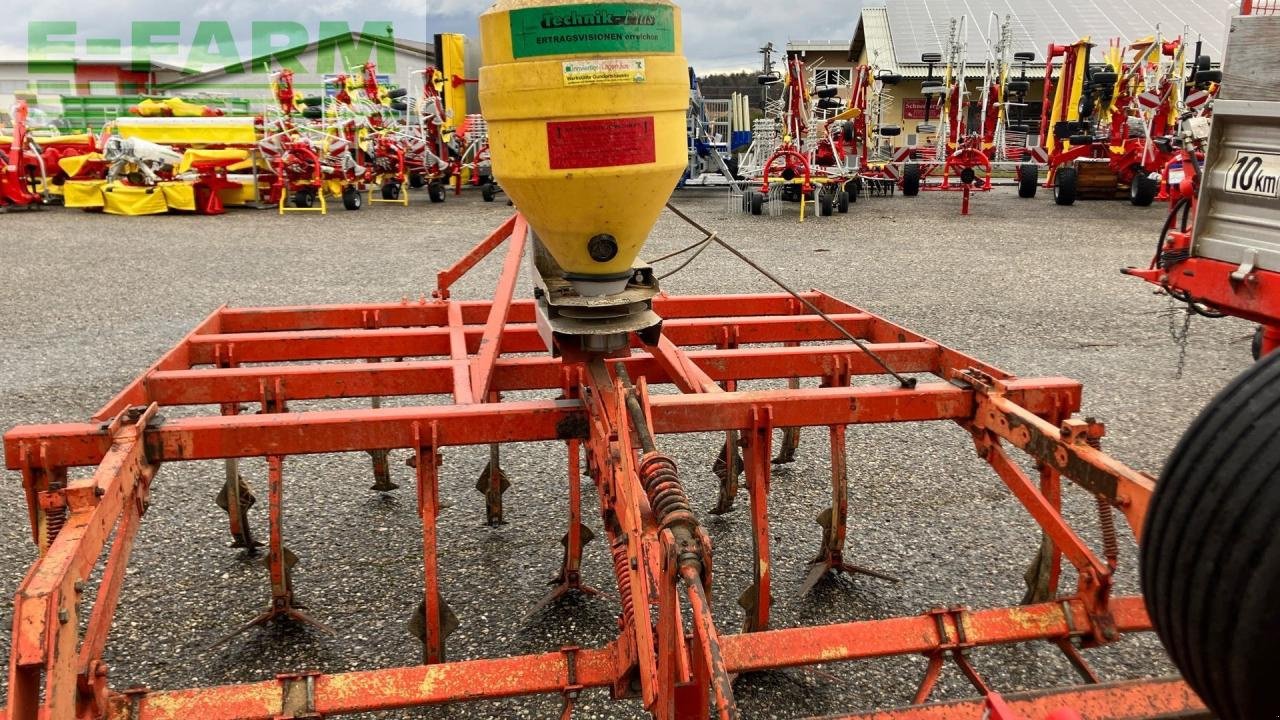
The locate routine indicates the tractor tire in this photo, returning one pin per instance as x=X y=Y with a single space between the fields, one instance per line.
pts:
x=390 y=191
x=436 y=192
x=1064 y=187
x=352 y=199
x=304 y=198
x=1143 y=190
x=489 y=192
x=416 y=181
x=842 y=202
x=755 y=202
x=1210 y=553
x=910 y=180
x=1028 y=180
x=826 y=202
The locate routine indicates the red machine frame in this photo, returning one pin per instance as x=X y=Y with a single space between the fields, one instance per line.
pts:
x=662 y=557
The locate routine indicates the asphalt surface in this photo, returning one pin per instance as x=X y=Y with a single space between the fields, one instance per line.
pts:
x=89 y=301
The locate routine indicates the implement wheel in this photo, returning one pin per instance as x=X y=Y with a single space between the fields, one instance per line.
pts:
x=1064 y=187
x=842 y=202
x=304 y=198
x=1143 y=190
x=352 y=199
x=911 y=180
x=826 y=202
x=1211 y=554
x=436 y=192
x=1028 y=180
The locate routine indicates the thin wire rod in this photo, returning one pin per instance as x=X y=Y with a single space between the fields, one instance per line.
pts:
x=906 y=382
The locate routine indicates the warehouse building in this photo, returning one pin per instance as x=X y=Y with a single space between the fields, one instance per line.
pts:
x=894 y=35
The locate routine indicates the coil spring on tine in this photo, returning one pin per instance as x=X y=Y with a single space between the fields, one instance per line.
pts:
x=1107 y=521
x=622 y=570
x=666 y=495
x=55 y=519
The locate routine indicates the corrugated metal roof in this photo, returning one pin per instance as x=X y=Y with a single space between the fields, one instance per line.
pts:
x=902 y=30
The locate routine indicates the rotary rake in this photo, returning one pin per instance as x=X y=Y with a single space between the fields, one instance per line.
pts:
x=805 y=155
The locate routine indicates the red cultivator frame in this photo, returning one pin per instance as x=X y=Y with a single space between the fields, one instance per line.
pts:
x=669 y=653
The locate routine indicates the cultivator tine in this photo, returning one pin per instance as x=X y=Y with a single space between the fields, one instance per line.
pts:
x=492 y=483
x=728 y=468
x=1077 y=661
x=834 y=521
x=1039 y=575
x=382 y=472
x=236 y=499
x=570 y=579
x=381 y=464
x=445 y=625
x=279 y=561
x=758 y=598
x=790 y=436
x=1045 y=570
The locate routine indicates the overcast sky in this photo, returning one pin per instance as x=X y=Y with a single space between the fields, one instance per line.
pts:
x=719 y=34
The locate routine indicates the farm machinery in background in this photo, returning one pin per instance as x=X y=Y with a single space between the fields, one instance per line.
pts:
x=714 y=128
x=31 y=172
x=972 y=138
x=800 y=153
x=20 y=161
x=1219 y=251
x=1100 y=122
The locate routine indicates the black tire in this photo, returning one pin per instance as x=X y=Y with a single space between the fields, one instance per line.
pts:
x=398 y=93
x=1064 y=187
x=842 y=202
x=910 y=180
x=732 y=164
x=416 y=181
x=826 y=202
x=489 y=192
x=755 y=202
x=435 y=191
x=352 y=199
x=1028 y=180
x=391 y=191
x=304 y=198
x=1017 y=87
x=1143 y=190
x=854 y=189
x=1210 y=553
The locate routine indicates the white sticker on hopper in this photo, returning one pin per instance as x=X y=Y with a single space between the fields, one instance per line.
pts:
x=610 y=71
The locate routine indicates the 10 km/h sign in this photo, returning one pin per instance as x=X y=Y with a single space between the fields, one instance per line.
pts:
x=1254 y=173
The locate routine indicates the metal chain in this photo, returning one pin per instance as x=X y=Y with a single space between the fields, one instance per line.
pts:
x=1181 y=336
x=711 y=236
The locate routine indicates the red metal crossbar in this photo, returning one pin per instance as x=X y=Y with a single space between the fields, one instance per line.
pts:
x=669 y=652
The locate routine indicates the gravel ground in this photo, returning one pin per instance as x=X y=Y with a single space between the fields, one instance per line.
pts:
x=89 y=301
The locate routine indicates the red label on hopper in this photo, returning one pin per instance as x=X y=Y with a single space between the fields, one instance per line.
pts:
x=601 y=143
